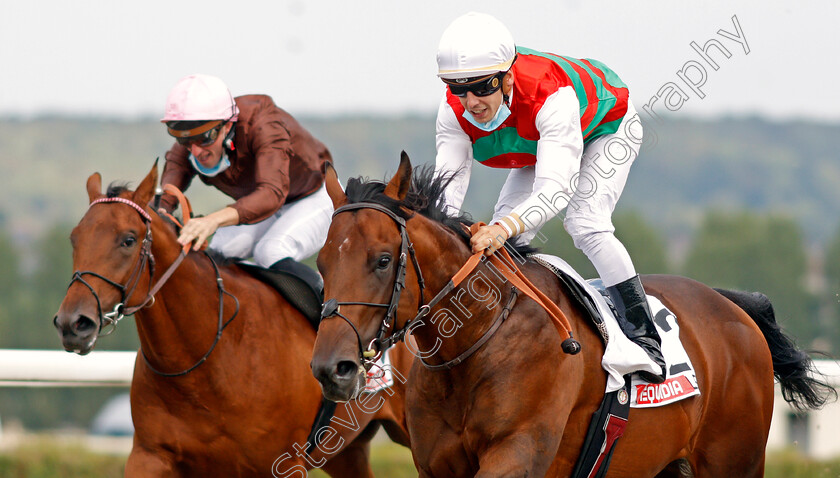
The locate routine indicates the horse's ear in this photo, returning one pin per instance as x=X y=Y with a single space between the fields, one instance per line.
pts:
x=146 y=189
x=334 y=190
x=94 y=187
x=398 y=186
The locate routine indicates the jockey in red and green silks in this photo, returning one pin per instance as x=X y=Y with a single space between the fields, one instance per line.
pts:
x=569 y=134
x=538 y=76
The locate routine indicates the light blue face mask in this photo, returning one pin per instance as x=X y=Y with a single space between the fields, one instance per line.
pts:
x=223 y=164
x=501 y=115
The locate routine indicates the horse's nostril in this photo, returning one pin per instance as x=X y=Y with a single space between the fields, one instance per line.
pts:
x=83 y=324
x=345 y=369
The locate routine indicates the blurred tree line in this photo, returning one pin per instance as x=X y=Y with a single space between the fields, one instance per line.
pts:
x=743 y=250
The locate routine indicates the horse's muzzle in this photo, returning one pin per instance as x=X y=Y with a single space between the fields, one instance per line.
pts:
x=340 y=380
x=77 y=332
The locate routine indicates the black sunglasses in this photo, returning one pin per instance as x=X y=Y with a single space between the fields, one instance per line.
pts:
x=484 y=86
x=204 y=139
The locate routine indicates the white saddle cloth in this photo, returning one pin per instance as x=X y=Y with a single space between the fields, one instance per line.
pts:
x=622 y=357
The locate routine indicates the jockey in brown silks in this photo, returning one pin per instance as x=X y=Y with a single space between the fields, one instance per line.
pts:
x=260 y=156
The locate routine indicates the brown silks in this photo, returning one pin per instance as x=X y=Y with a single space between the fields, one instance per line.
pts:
x=505 y=264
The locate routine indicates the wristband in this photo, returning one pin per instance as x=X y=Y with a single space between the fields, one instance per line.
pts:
x=504 y=225
x=513 y=225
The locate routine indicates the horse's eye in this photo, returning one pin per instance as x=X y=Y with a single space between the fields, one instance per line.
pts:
x=129 y=241
x=384 y=261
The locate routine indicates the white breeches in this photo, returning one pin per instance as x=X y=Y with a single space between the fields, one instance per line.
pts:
x=588 y=217
x=296 y=230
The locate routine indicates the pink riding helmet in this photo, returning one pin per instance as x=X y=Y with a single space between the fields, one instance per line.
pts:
x=200 y=98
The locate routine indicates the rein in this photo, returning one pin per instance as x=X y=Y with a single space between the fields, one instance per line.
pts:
x=220 y=327
x=503 y=263
x=120 y=310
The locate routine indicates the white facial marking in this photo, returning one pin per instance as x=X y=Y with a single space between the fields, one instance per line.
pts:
x=344 y=245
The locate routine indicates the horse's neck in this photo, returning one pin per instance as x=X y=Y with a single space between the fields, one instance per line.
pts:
x=183 y=318
x=443 y=256
x=461 y=317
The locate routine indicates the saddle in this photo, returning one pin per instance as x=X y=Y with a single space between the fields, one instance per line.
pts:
x=297 y=283
x=609 y=421
x=581 y=296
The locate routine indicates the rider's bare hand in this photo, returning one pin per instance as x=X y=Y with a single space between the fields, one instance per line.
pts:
x=199 y=229
x=488 y=239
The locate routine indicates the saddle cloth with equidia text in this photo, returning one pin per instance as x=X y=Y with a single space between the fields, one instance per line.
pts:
x=622 y=356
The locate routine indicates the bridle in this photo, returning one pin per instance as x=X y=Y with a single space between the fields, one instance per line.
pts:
x=381 y=343
x=146 y=257
x=111 y=319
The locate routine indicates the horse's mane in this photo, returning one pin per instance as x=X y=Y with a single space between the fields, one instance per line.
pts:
x=220 y=259
x=425 y=196
x=115 y=189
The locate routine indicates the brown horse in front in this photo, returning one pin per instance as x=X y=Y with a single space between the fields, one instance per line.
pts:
x=244 y=411
x=517 y=405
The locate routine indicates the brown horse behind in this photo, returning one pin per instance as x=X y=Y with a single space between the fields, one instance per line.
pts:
x=519 y=406
x=247 y=409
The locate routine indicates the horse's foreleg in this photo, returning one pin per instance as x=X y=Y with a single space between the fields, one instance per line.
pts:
x=722 y=467
x=143 y=464
x=515 y=457
x=677 y=469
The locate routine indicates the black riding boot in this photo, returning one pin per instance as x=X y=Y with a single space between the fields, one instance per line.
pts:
x=636 y=322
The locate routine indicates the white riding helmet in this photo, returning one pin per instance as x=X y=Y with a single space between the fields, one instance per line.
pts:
x=200 y=98
x=475 y=44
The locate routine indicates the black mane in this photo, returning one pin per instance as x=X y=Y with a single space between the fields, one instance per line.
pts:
x=115 y=189
x=425 y=197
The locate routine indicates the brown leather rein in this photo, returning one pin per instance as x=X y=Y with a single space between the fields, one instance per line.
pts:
x=506 y=266
x=503 y=263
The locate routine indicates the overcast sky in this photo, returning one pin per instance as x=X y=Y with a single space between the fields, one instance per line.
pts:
x=326 y=58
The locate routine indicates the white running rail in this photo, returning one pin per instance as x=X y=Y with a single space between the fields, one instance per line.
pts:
x=54 y=368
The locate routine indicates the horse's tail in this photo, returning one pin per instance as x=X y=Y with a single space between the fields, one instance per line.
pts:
x=792 y=367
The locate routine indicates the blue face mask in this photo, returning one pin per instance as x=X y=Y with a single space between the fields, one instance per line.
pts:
x=501 y=115
x=223 y=164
